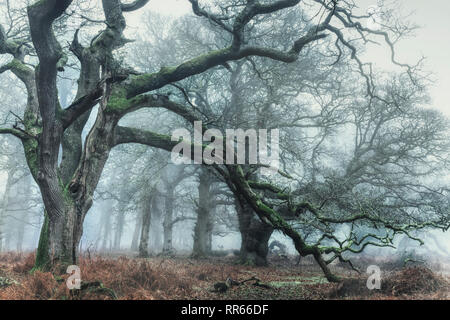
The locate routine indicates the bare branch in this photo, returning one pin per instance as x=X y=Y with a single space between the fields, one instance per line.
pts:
x=135 y=5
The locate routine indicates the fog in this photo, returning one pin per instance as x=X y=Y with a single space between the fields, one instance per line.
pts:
x=356 y=170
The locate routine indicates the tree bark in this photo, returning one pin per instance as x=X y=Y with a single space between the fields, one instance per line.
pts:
x=168 y=219
x=120 y=221
x=107 y=227
x=145 y=229
x=66 y=204
x=67 y=190
x=202 y=230
x=255 y=236
x=58 y=242
x=137 y=231
x=4 y=206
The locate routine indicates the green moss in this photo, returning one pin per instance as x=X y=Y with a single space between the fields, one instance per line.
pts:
x=267 y=186
x=17 y=66
x=166 y=71
x=6 y=282
x=65 y=192
x=118 y=102
x=31 y=153
x=264 y=207
x=206 y=57
x=144 y=80
x=31 y=145
x=275 y=218
x=298 y=281
x=42 y=255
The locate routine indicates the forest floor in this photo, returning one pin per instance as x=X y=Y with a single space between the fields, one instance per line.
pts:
x=121 y=277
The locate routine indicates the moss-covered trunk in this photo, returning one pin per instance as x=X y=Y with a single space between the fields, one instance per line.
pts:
x=59 y=241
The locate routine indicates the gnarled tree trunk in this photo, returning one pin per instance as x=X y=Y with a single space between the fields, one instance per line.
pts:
x=255 y=236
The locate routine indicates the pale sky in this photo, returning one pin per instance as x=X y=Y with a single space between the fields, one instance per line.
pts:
x=431 y=40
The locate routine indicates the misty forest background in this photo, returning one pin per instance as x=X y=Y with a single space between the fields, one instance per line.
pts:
x=364 y=158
